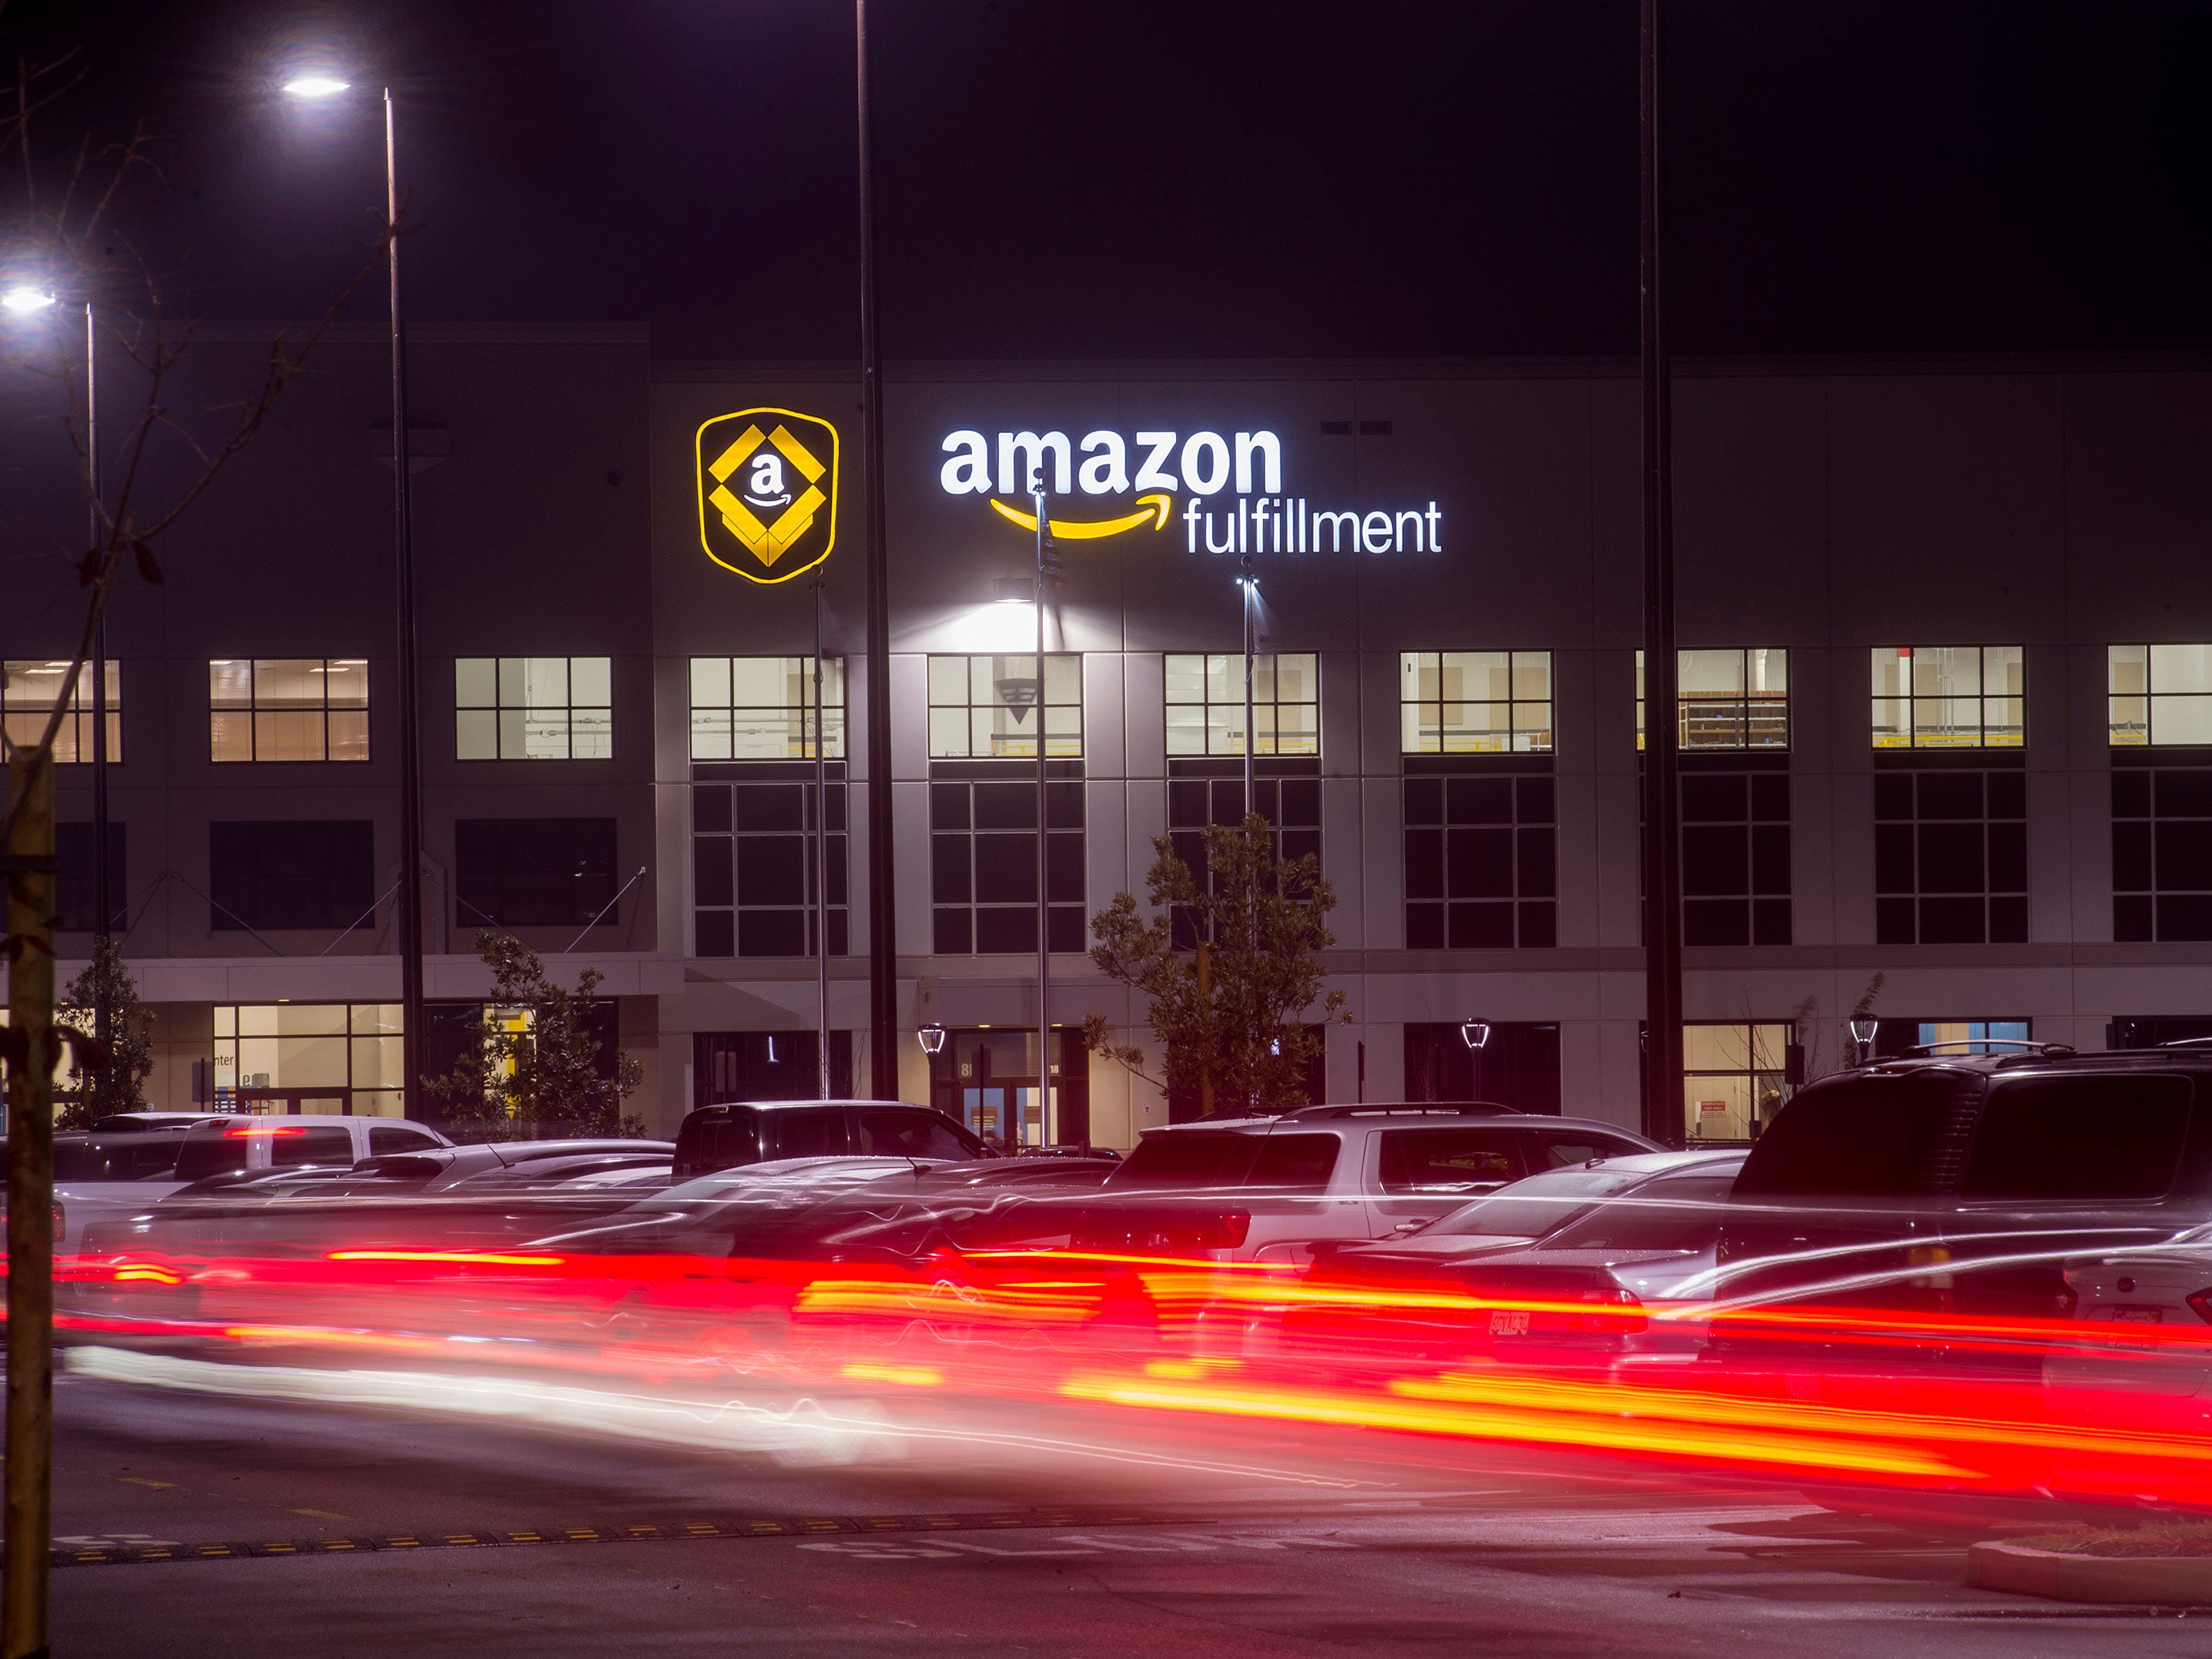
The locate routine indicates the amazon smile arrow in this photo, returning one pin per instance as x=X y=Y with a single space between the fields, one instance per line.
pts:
x=1154 y=508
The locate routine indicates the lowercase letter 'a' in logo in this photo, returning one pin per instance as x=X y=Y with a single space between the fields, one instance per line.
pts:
x=767 y=492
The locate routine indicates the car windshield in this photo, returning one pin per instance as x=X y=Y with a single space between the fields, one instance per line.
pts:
x=1531 y=1208
x=1674 y=1212
x=1186 y=1159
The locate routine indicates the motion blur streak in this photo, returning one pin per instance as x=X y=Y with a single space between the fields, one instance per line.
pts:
x=912 y=1376
x=448 y=1255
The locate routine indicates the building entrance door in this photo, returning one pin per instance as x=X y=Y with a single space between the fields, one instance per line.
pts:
x=987 y=1078
x=294 y=1103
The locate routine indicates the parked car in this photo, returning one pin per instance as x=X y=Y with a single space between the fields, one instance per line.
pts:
x=1615 y=1236
x=1960 y=1185
x=732 y=1135
x=1271 y=1188
x=117 y=1122
x=221 y=1145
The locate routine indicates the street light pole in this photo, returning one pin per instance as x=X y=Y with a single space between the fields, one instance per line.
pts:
x=409 y=931
x=103 y=911
x=1250 y=584
x=820 y=868
x=883 y=913
x=1039 y=500
x=1663 y=875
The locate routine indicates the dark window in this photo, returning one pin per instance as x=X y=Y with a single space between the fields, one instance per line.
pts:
x=534 y=872
x=1561 y=1149
x=214 y=1149
x=1950 y=863
x=707 y=1141
x=2161 y=854
x=983 y=859
x=293 y=1145
x=805 y=1131
x=752 y=860
x=1517 y=1067
x=886 y=1133
x=1877 y=1136
x=1203 y=793
x=1184 y=1159
x=1481 y=862
x=397 y=1138
x=1675 y=1213
x=315 y=874
x=1736 y=857
x=2111 y=1137
x=1294 y=1162
x=74 y=879
x=729 y=1066
x=1449 y=1160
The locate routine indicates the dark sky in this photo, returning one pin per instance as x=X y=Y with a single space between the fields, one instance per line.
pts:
x=1083 y=178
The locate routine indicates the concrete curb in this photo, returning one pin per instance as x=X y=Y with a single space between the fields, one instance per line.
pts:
x=2154 y=1580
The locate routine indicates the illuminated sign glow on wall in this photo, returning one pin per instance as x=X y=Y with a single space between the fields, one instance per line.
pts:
x=767 y=492
x=1246 y=464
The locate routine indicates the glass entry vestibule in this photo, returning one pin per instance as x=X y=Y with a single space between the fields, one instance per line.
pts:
x=987 y=1076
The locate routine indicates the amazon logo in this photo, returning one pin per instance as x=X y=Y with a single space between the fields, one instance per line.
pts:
x=1154 y=466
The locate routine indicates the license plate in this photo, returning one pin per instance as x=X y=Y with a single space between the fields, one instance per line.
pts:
x=1508 y=1321
x=2137 y=1316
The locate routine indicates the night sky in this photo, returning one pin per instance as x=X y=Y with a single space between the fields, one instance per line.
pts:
x=1204 y=178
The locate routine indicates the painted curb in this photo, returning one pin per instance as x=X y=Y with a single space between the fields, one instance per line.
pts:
x=2155 y=1580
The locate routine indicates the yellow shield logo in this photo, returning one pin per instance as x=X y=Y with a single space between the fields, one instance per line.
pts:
x=767 y=492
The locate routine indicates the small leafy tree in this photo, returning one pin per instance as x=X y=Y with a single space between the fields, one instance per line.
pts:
x=538 y=1064
x=118 y=1085
x=1228 y=1015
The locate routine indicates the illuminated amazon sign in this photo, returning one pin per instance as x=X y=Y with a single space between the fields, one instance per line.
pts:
x=1154 y=469
x=767 y=492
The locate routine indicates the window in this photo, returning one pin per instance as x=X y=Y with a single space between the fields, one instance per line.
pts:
x=1297 y=1164
x=1203 y=793
x=1206 y=704
x=983 y=864
x=1675 y=1212
x=984 y=707
x=75 y=903
x=1894 y=1038
x=289 y=873
x=1474 y=703
x=1950 y=857
x=1735 y=857
x=752 y=863
x=2079 y=1138
x=2159 y=695
x=1731 y=1078
x=310 y=1145
x=887 y=1133
x=332 y=1053
x=1949 y=696
x=26 y=698
x=289 y=708
x=1449 y=1160
x=533 y=873
x=400 y=1138
x=2161 y=852
x=748 y=708
x=738 y=1066
x=533 y=708
x=1481 y=863
x=1730 y=699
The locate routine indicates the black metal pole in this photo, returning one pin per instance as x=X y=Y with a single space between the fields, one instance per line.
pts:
x=882 y=910
x=103 y=914
x=409 y=913
x=821 y=867
x=1662 y=873
x=1040 y=500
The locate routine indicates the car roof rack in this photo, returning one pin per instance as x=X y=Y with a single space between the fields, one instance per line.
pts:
x=2188 y=1042
x=1982 y=1045
x=1389 y=1108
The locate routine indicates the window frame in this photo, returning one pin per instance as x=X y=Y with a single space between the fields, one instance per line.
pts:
x=1267 y=667
x=255 y=711
x=1908 y=738
x=1060 y=743
x=2141 y=732
x=1683 y=728
x=24 y=719
x=797 y=675
x=525 y=710
x=1539 y=738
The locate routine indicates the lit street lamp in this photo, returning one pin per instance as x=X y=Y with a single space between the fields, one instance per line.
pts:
x=318 y=86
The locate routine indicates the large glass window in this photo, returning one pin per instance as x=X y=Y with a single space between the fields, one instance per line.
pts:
x=1728 y=699
x=1949 y=696
x=1481 y=862
x=317 y=874
x=1473 y=703
x=1205 y=703
x=335 y=1059
x=752 y=853
x=534 y=872
x=1950 y=857
x=2158 y=694
x=984 y=707
x=2161 y=852
x=533 y=708
x=28 y=689
x=762 y=707
x=983 y=865
x=288 y=708
x=1732 y=1078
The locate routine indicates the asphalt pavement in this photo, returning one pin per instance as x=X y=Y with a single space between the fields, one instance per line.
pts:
x=190 y=1524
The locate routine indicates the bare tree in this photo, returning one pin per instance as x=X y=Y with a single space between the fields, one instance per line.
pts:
x=59 y=218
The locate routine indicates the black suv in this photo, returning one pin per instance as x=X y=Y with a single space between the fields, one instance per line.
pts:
x=1957 y=1183
x=725 y=1137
